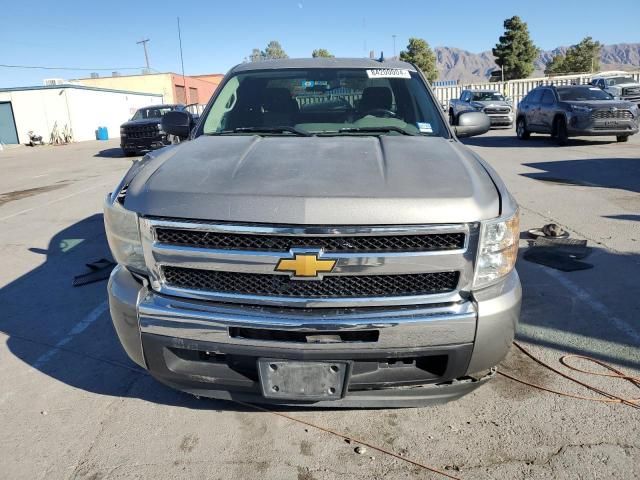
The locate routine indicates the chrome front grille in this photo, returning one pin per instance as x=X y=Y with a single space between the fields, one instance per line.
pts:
x=497 y=110
x=373 y=265
x=329 y=287
x=145 y=131
x=283 y=243
x=609 y=114
x=631 y=91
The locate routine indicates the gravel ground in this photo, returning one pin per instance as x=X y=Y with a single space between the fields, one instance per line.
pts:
x=73 y=406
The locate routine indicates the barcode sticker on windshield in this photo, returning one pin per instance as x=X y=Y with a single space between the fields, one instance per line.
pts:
x=388 y=73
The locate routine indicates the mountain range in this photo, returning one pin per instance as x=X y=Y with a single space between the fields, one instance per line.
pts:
x=468 y=67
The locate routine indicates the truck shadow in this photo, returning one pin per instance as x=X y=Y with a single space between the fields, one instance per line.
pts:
x=42 y=313
x=112 y=153
x=620 y=173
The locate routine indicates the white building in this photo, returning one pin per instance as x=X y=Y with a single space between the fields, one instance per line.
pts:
x=79 y=108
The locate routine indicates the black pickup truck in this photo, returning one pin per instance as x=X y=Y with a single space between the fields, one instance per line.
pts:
x=144 y=130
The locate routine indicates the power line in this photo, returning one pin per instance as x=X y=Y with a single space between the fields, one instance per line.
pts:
x=2 y=65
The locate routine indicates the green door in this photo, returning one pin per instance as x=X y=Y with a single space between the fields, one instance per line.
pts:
x=8 y=133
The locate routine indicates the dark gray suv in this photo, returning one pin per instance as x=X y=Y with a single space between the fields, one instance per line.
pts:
x=575 y=110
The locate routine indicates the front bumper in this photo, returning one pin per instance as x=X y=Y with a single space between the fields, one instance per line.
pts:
x=583 y=125
x=398 y=356
x=501 y=120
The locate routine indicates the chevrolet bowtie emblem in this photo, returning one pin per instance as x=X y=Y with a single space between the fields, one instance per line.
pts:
x=305 y=265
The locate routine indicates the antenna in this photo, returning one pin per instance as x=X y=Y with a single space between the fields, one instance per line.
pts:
x=381 y=59
x=184 y=83
x=146 y=55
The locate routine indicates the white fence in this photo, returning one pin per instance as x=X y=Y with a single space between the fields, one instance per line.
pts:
x=516 y=89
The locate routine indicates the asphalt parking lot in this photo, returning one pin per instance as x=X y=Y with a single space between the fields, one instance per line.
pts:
x=73 y=406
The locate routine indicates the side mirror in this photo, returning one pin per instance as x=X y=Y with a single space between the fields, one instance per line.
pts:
x=177 y=123
x=471 y=124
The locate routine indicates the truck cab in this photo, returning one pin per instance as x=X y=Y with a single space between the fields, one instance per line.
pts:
x=496 y=106
x=144 y=131
x=620 y=85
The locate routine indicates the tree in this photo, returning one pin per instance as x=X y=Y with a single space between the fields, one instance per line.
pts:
x=583 y=57
x=580 y=58
x=515 y=52
x=321 y=52
x=256 y=55
x=556 y=66
x=420 y=54
x=274 y=50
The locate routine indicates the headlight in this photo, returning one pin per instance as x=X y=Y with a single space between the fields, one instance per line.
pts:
x=498 y=249
x=123 y=235
x=581 y=109
x=160 y=128
x=122 y=131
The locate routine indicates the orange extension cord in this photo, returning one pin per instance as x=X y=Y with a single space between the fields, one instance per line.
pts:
x=610 y=398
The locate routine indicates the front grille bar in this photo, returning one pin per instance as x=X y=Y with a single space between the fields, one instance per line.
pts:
x=328 y=287
x=275 y=243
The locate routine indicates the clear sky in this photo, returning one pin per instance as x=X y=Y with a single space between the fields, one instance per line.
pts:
x=216 y=35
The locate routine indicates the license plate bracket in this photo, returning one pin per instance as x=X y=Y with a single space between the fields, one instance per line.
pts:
x=302 y=380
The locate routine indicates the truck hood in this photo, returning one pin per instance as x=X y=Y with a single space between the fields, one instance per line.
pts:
x=316 y=180
x=142 y=121
x=599 y=104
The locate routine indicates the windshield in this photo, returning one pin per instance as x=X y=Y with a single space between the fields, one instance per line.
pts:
x=619 y=80
x=151 y=112
x=486 y=96
x=582 y=93
x=325 y=101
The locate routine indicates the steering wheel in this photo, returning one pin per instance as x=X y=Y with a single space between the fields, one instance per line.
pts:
x=381 y=112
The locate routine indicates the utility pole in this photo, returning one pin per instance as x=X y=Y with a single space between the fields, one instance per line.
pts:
x=146 y=55
x=394 y=45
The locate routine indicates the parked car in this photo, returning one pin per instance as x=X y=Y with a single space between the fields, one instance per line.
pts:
x=322 y=239
x=494 y=104
x=144 y=130
x=575 y=110
x=618 y=84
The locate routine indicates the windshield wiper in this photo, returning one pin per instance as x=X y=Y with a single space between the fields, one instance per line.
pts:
x=376 y=130
x=282 y=129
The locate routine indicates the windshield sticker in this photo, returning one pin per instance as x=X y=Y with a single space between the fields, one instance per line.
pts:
x=388 y=73
x=314 y=83
x=424 y=127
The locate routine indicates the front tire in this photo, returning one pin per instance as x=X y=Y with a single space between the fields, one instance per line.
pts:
x=452 y=118
x=130 y=153
x=562 y=135
x=521 y=129
x=622 y=138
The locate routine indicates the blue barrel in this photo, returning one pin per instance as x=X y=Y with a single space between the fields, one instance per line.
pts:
x=103 y=133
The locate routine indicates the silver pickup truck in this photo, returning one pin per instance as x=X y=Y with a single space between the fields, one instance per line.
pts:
x=494 y=104
x=321 y=239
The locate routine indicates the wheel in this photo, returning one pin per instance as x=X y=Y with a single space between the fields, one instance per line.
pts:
x=562 y=136
x=452 y=118
x=622 y=138
x=521 y=129
x=130 y=153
